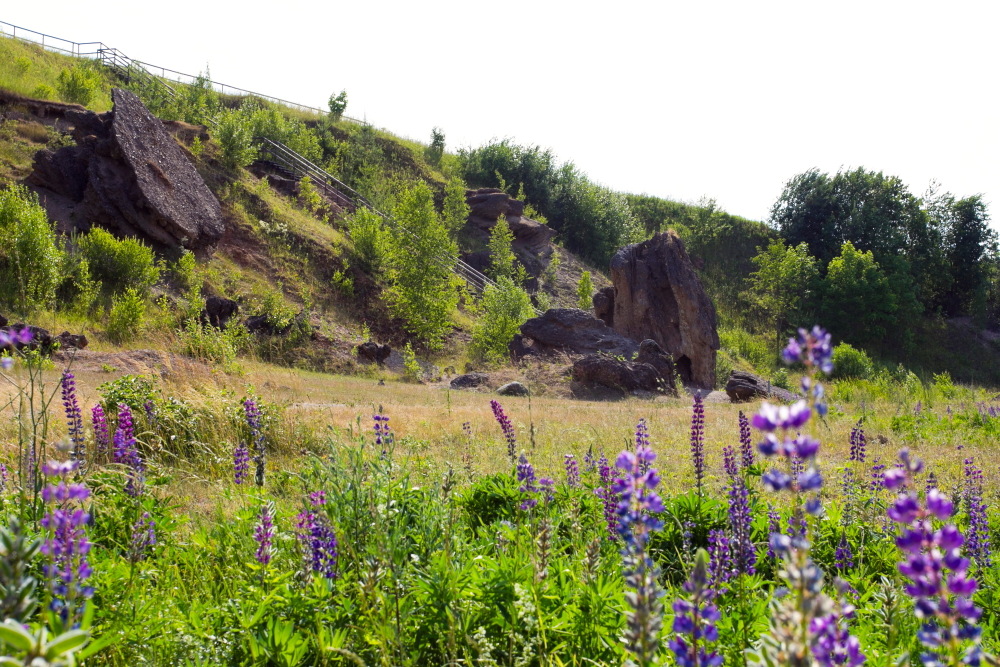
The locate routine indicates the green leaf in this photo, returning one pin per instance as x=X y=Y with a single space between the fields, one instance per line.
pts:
x=12 y=633
x=65 y=643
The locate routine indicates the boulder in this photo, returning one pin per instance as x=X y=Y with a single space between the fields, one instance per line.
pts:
x=260 y=324
x=132 y=176
x=601 y=376
x=604 y=305
x=75 y=341
x=373 y=352
x=570 y=330
x=470 y=380
x=658 y=296
x=513 y=389
x=743 y=386
x=652 y=354
x=3 y=321
x=40 y=338
x=218 y=311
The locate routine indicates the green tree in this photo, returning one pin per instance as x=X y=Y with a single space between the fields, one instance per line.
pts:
x=858 y=303
x=783 y=285
x=968 y=242
x=338 y=105
x=503 y=309
x=584 y=292
x=30 y=260
x=435 y=151
x=503 y=262
x=422 y=290
x=456 y=210
x=372 y=240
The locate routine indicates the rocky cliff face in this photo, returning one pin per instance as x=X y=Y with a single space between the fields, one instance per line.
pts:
x=657 y=295
x=128 y=174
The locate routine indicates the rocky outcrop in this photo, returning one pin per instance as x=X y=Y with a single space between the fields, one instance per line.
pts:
x=652 y=354
x=599 y=376
x=68 y=341
x=743 y=386
x=373 y=353
x=570 y=330
x=218 y=311
x=658 y=295
x=470 y=381
x=604 y=305
x=131 y=176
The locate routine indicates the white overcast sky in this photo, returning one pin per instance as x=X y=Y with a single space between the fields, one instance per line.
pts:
x=676 y=99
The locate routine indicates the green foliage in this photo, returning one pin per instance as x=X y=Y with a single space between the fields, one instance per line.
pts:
x=131 y=390
x=858 y=304
x=584 y=292
x=411 y=368
x=754 y=349
x=184 y=270
x=310 y=197
x=456 y=211
x=273 y=305
x=337 y=104
x=30 y=260
x=944 y=385
x=119 y=264
x=235 y=136
x=503 y=263
x=849 y=362
x=551 y=273
x=502 y=311
x=197 y=148
x=372 y=239
x=435 y=151
x=422 y=290
x=218 y=346
x=79 y=85
x=127 y=316
x=783 y=285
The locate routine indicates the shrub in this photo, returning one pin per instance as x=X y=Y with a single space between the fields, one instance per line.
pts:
x=219 y=346
x=30 y=260
x=184 y=270
x=435 y=151
x=754 y=349
x=235 y=137
x=310 y=197
x=338 y=104
x=78 y=85
x=503 y=263
x=456 y=210
x=944 y=384
x=411 y=368
x=584 y=292
x=850 y=362
x=503 y=309
x=371 y=239
x=44 y=92
x=131 y=390
x=120 y=264
x=128 y=312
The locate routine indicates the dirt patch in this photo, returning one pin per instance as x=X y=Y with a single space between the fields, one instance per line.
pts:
x=133 y=362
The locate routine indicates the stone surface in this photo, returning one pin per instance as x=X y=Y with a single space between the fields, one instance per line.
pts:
x=259 y=324
x=131 y=176
x=74 y=341
x=604 y=305
x=470 y=380
x=513 y=389
x=744 y=386
x=218 y=311
x=570 y=330
x=600 y=376
x=373 y=352
x=652 y=354
x=40 y=338
x=658 y=295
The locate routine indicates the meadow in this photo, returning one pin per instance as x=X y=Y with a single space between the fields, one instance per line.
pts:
x=410 y=524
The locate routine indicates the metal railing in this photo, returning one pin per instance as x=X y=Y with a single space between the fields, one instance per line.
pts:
x=129 y=69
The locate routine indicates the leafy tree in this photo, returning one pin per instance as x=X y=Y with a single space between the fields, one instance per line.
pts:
x=503 y=309
x=783 y=285
x=503 y=262
x=968 y=243
x=30 y=259
x=422 y=290
x=584 y=292
x=456 y=210
x=435 y=151
x=858 y=303
x=372 y=240
x=338 y=105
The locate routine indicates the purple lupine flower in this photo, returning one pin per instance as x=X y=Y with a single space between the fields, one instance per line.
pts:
x=526 y=476
x=66 y=545
x=698 y=441
x=143 y=538
x=770 y=418
x=695 y=619
x=740 y=526
x=720 y=563
x=642 y=440
x=636 y=508
x=317 y=498
x=977 y=541
x=843 y=558
x=858 y=443
x=572 y=471
x=878 y=472
x=729 y=462
x=797 y=525
x=150 y=408
x=746 y=443
x=773 y=528
x=319 y=543
x=930 y=483
x=384 y=438
x=74 y=416
x=607 y=495
x=127 y=453
x=589 y=462
x=12 y=338
x=939 y=582
x=506 y=427
x=812 y=348
x=264 y=534
x=917 y=409
x=241 y=463
x=127 y=430
x=546 y=486
x=255 y=424
x=831 y=641
x=102 y=435
x=6 y=362
x=3 y=477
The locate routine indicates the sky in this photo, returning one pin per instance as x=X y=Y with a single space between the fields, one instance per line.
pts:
x=683 y=100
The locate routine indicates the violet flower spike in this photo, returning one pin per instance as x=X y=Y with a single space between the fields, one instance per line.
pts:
x=66 y=545
x=102 y=435
x=572 y=471
x=744 y=553
x=698 y=441
x=255 y=425
x=607 y=495
x=74 y=416
x=506 y=427
x=746 y=444
x=264 y=535
x=143 y=538
x=319 y=543
x=241 y=463
x=695 y=617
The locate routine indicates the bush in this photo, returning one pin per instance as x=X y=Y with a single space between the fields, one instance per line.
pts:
x=184 y=270
x=219 y=346
x=79 y=85
x=30 y=260
x=849 y=362
x=371 y=239
x=120 y=264
x=456 y=210
x=584 y=292
x=435 y=151
x=235 y=137
x=411 y=367
x=503 y=309
x=503 y=263
x=128 y=313
x=338 y=104
x=131 y=390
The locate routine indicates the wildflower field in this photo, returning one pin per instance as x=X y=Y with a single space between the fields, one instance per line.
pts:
x=340 y=522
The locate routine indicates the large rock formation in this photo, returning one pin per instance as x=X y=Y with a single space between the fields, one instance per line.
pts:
x=601 y=376
x=570 y=330
x=658 y=295
x=131 y=176
x=743 y=386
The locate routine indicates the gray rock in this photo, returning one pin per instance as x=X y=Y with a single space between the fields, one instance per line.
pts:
x=604 y=305
x=652 y=354
x=68 y=340
x=743 y=386
x=218 y=311
x=570 y=330
x=470 y=380
x=373 y=352
x=602 y=377
x=513 y=389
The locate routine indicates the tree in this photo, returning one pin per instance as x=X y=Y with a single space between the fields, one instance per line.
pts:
x=968 y=242
x=30 y=259
x=435 y=151
x=504 y=308
x=584 y=292
x=503 y=262
x=456 y=210
x=858 y=304
x=338 y=104
x=422 y=289
x=783 y=285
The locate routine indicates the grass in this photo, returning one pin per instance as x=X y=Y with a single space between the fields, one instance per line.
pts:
x=29 y=70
